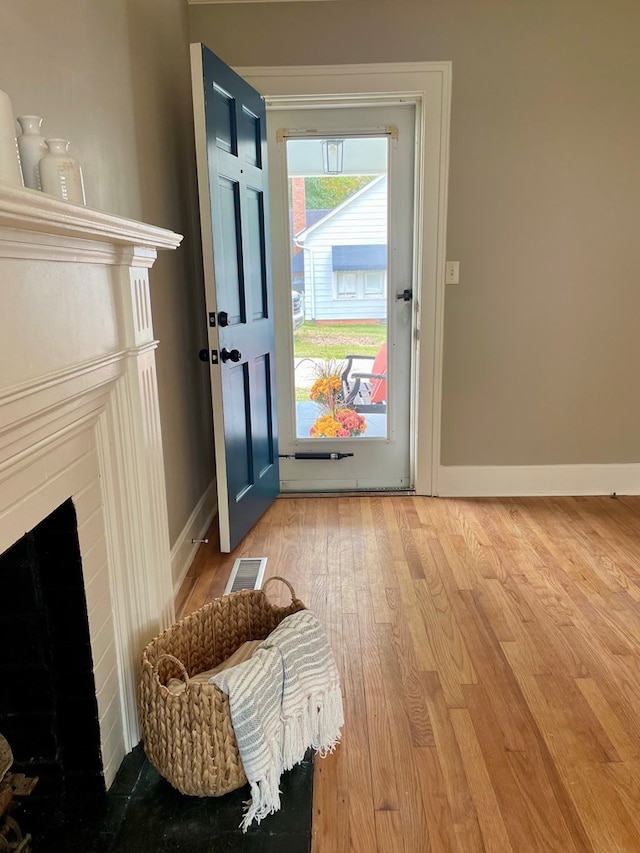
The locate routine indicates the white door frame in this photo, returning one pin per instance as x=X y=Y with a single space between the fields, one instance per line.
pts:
x=429 y=85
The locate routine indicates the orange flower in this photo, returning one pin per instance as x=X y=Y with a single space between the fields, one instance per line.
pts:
x=346 y=424
x=325 y=387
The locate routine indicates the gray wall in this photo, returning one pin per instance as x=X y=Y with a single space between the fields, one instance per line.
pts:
x=541 y=346
x=114 y=78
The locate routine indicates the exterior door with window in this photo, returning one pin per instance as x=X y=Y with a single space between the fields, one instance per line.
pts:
x=342 y=184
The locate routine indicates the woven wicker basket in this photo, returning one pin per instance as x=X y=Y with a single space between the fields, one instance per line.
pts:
x=189 y=737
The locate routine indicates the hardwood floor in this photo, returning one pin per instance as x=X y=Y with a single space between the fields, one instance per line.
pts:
x=490 y=661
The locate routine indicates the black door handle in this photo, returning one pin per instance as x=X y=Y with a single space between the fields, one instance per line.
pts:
x=406 y=295
x=223 y=318
x=230 y=355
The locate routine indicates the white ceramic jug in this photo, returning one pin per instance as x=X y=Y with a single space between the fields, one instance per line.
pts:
x=32 y=148
x=60 y=173
x=10 y=171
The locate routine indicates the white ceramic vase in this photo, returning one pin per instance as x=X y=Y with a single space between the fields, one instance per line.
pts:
x=60 y=173
x=10 y=171
x=32 y=148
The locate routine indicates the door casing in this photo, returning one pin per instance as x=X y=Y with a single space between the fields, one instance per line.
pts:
x=428 y=84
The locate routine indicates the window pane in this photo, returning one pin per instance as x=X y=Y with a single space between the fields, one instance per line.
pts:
x=338 y=230
x=346 y=284
x=374 y=283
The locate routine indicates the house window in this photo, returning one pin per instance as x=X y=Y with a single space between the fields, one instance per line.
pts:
x=359 y=271
x=360 y=284
x=346 y=285
x=374 y=283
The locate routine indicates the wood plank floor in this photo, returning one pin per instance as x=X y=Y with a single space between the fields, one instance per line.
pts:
x=490 y=661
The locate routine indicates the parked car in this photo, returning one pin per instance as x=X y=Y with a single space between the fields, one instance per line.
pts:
x=297 y=308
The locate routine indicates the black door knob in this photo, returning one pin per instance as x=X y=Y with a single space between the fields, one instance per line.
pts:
x=230 y=355
x=223 y=318
x=203 y=355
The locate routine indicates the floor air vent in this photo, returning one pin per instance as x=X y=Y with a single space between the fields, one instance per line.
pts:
x=247 y=573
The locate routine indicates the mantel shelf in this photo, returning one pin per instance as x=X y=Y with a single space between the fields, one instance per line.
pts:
x=35 y=212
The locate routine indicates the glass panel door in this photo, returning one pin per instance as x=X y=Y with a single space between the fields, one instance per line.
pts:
x=338 y=247
x=342 y=200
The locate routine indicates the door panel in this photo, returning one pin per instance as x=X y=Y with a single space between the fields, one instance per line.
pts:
x=228 y=258
x=263 y=416
x=255 y=270
x=232 y=181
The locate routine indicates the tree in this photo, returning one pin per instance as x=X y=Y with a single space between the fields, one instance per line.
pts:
x=325 y=193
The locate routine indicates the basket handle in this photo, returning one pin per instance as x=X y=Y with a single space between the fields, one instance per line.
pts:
x=175 y=660
x=285 y=582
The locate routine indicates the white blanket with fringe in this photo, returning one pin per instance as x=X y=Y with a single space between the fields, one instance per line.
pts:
x=283 y=700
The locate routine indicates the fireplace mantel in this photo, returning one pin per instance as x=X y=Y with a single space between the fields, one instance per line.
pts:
x=35 y=212
x=79 y=418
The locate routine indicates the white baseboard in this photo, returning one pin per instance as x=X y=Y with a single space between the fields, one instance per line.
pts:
x=184 y=550
x=528 y=480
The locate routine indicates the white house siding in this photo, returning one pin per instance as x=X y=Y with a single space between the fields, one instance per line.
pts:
x=362 y=221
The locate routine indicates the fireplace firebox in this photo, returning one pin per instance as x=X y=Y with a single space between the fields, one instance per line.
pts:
x=48 y=708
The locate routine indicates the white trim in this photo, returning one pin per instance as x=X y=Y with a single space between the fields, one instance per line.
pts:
x=184 y=549
x=45 y=247
x=528 y=480
x=206 y=232
x=33 y=211
x=428 y=84
x=283 y=79
x=235 y=2
x=27 y=403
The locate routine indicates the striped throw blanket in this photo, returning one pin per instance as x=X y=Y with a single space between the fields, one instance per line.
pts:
x=283 y=700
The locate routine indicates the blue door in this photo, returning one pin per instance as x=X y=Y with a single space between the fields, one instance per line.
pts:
x=230 y=128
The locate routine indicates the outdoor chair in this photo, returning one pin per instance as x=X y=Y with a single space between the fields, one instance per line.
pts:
x=366 y=392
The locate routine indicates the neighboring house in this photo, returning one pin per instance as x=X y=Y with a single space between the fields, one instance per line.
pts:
x=307 y=218
x=345 y=258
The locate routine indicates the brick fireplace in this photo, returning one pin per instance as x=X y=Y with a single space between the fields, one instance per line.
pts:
x=79 y=426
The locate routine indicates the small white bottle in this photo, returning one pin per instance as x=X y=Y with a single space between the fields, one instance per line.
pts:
x=32 y=148
x=10 y=171
x=60 y=173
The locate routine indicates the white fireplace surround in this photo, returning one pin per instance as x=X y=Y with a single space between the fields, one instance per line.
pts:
x=79 y=418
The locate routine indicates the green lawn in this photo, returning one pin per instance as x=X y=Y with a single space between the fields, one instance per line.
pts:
x=326 y=341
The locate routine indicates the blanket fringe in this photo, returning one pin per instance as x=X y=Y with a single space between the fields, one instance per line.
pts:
x=317 y=725
x=330 y=720
x=265 y=800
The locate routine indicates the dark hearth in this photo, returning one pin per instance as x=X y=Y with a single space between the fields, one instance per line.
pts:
x=48 y=709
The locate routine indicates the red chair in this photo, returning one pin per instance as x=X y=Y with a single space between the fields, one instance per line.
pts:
x=366 y=392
